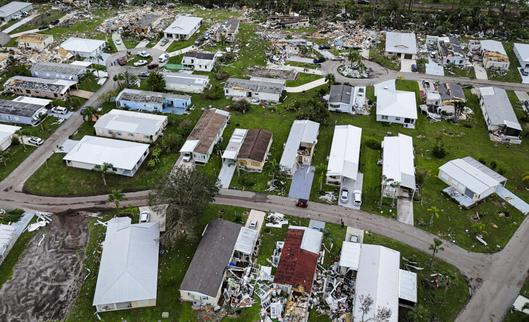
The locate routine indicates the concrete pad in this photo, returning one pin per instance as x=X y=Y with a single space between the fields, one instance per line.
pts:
x=405 y=65
x=405 y=211
x=157 y=214
x=20 y=23
x=522 y=96
x=306 y=87
x=351 y=231
x=142 y=44
x=163 y=48
x=351 y=186
x=115 y=37
x=258 y=216
x=81 y=93
x=226 y=174
x=302 y=183
x=481 y=72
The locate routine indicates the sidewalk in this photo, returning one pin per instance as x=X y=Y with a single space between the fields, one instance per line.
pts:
x=308 y=86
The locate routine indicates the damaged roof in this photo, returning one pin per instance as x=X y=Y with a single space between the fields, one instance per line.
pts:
x=49 y=67
x=18 y=108
x=342 y=93
x=136 y=95
x=206 y=271
x=210 y=124
x=255 y=145
x=254 y=85
x=39 y=84
x=200 y=55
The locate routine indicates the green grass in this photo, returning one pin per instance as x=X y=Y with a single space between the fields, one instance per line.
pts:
x=301 y=79
x=15 y=155
x=443 y=304
x=460 y=72
x=377 y=55
x=84 y=28
x=512 y=75
x=44 y=19
x=173 y=265
x=89 y=83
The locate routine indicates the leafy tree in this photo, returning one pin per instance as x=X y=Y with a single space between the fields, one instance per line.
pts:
x=104 y=169
x=214 y=92
x=116 y=197
x=4 y=157
x=241 y=106
x=314 y=110
x=89 y=113
x=156 y=82
x=126 y=79
x=439 y=150
x=188 y=192
x=330 y=78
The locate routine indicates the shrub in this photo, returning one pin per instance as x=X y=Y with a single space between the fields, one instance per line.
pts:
x=493 y=165
x=373 y=144
x=241 y=106
x=439 y=150
x=11 y=216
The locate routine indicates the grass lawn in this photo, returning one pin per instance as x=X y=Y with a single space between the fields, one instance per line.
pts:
x=6 y=269
x=46 y=17
x=513 y=75
x=83 y=28
x=436 y=302
x=89 y=83
x=377 y=55
x=173 y=265
x=460 y=72
x=301 y=79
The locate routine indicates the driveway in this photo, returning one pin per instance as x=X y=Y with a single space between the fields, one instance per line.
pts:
x=406 y=65
x=481 y=72
x=164 y=47
x=301 y=183
x=307 y=86
x=226 y=174
x=351 y=186
x=118 y=42
x=405 y=211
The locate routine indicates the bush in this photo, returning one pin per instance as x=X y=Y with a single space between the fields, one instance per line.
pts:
x=241 y=106
x=439 y=150
x=221 y=75
x=215 y=92
x=11 y=216
x=420 y=177
x=373 y=144
x=493 y=165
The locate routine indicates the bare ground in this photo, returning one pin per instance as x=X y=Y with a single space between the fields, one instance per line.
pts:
x=47 y=278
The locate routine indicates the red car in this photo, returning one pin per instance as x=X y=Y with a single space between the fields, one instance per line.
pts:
x=302 y=203
x=152 y=66
x=122 y=61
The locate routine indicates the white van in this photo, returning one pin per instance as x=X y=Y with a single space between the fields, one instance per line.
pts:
x=163 y=58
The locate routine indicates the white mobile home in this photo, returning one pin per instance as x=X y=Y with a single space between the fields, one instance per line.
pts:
x=347 y=99
x=128 y=272
x=396 y=107
x=522 y=53
x=494 y=55
x=86 y=48
x=260 y=89
x=199 y=60
x=92 y=151
x=131 y=126
x=14 y=10
x=345 y=154
x=398 y=167
x=185 y=82
x=401 y=44
x=300 y=145
x=183 y=27
x=499 y=115
x=6 y=135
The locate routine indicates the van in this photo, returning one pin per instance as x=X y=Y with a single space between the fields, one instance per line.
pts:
x=163 y=58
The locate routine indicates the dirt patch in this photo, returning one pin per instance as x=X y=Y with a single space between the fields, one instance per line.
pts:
x=47 y=278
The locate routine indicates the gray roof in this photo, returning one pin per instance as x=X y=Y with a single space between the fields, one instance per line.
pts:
x=483 y=168
x=206 y=271
x=136 y=95
x=18 y=108
x=200 y=55
x=451 y=91
x=13 y=7
x=186 y=79
x=254 y=86
x=341 y=94
x=401 y=42
x=4 y=38
x=498 y=107
x=42 y=84
x=147 y=20
x=67 y=69
x=129 y=262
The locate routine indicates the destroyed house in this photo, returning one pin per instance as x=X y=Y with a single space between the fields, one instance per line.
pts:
x=58 y=71
x=21 y=113
x=128 y=271
x=494 y=55
x=199 y=60
x=14 y=10
x=39 y=87
x=289 y=21
x=138 y=100
x=499 y=115
x=254 y=150
x=131 y=126
x=451 y=51
x=34 y=41
x=202 y=283
x=300 y=145
x=254 y=89
x=299 y=259
x=146 y=23
x=227 y=30
x=205 y=135
x=450 y=93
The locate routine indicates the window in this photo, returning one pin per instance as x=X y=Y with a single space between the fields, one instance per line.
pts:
x=397 y=119
x=384 y=117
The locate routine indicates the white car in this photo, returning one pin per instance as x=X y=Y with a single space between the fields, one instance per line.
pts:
x=344 y=195
x=357 y=198
x=118 y=42
x=144 y=54
x=59 y=110
x=186 y=158
x=163 y=58
x=253 y=225
x=145 y=216
x=35 y=140
x=140 y=63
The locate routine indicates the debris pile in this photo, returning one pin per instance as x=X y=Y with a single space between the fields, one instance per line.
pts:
x=42 y=220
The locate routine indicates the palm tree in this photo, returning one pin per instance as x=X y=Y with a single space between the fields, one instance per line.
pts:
x=330 y=79
x=320 y=170
x=104 y=169
x=89 y=113
x=435 y=213
x=116 y=197
x=435 y=248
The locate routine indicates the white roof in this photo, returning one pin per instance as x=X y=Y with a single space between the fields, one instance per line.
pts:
x=523 y=52
x=397 y=104
x=345 y=151
x=401 y=42
x=81 y=63
x=82 y=45
x=519 y=304
x=183 y=25
x=493 y=46
x=129 y=262
x=301 y=131
x=350 y=255
x=33 y=100
x=472 y=174
x=95 y=150
x=13 y=7
x=385 y=85
x=189 y=146
x=408 y=286
x=378 y=278
x=131 y=122
x=311 y=241
x=234 y=145
x=7 y=130
x=246 y=241
x=398 y=160
x=498 y=107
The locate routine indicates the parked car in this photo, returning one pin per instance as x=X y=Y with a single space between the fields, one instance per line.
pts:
x=302 y=203
x=357 y=198
x=59 y=110
x=43 y=27
x=186 y=158
x=321 y=47
x=35 y=140
x=253 y=225
x=143 y=75
x=152 y=66
x=144 y=54
x=118 y=42
x=163 y=58
x=55 y=22
x=319 y=60
x=344 y=195
x=525 y=72
x=164 y=41
x=122 y=61
x=145 y=216
x=140 y=62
